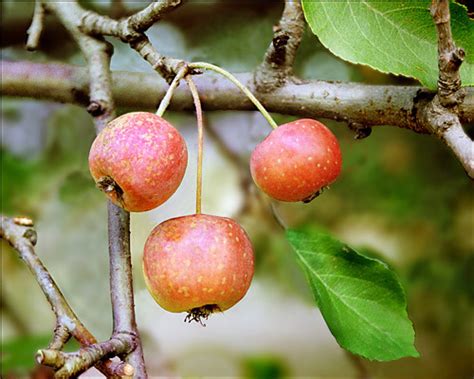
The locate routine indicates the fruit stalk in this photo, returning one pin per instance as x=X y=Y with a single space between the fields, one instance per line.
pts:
x=200 y=125
x=169 y=93
x=233 y=79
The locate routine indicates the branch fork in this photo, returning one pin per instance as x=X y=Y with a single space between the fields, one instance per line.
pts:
x=442 y=113
x=21 y=235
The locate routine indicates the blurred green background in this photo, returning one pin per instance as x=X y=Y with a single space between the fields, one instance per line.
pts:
x=401 y=196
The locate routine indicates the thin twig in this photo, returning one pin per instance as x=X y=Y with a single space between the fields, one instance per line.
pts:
x=450 y=57
x=166 y=67
x=276 y=215
x=131 y=30
x=69 y=365
x=128 y=28
x=200 y=126
x=22 y=237
x=240 y=163
x=145 y=18
x=36 y=28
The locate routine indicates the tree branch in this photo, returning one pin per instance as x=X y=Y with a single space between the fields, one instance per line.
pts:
x=69 y=365
x=131 y=30
x=369 y=105
x=128 y=28
x=19 y=233
x=445 y=124
x=450 y=56
x=277 y=66
x=121 y=284
x=101 y=106
x=34 y=31
x=145 y=18
x=441 y=114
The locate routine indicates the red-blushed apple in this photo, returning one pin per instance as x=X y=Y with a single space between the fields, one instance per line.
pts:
x=296 y=160
x=138 y=160
x=198 y=264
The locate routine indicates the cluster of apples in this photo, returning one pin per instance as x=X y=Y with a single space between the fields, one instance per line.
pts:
x=203 y=263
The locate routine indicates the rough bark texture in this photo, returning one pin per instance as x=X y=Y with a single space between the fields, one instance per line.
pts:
x=367 y=105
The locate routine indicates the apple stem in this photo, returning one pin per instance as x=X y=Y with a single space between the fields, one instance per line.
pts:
x=169 y=93
x=200 y=125
x=233 y=79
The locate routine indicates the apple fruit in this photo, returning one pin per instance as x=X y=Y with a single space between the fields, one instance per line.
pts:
x=296 y=161
x=198 y=264
x=138 y=160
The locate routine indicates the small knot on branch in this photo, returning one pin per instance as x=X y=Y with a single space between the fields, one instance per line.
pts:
x=458 y=56
x=31 y=235
x=361 y=131
x=169 y=68
x=278 y=56
x=277 y=65
x=96 y=108
x=450 y=57
x=128 y=33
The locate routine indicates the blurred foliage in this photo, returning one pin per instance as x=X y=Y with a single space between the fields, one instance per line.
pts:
x=16 y=357
x=401 y=196
x=27 y=183
x=264 y=367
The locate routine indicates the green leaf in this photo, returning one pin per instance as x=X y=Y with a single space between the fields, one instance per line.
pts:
x=397 y=37
x=360 y=298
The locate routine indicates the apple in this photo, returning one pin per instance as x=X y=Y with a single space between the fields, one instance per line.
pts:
x=198 y=264
x=138 y=160
x=296 y=161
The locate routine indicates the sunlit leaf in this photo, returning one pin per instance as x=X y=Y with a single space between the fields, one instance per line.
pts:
x=360 y=298
x=397 y=37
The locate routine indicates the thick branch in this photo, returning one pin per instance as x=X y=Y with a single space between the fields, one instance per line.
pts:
x=166 y=67
x=368 y=105
x=277 y=66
